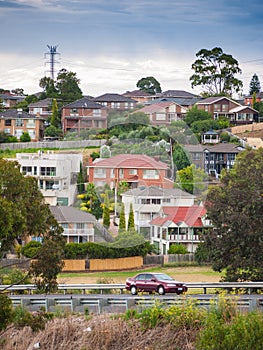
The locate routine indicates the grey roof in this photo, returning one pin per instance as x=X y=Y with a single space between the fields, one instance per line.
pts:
x=12 y=97
x=177 y=93
x=154 y=191
x=70 y=215
x=213 y=99
x=224 y=148
x=179 y=100
x=113 y=98
x=85 y=102
x=13 y=114
x=137 y=93
x=42 y=103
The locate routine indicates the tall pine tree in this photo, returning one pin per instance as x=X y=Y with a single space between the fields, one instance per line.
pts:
x=254 y=85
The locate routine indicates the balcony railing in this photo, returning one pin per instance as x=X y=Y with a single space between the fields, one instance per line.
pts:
x=78 y=232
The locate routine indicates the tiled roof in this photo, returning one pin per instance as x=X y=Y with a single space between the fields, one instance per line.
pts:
x=113 y=98
x=190 y=215
x=129 y=161
x=224 y=148
x=84 y=102
x=70 y=214
x=241 y=108
x=137 y=93
x=154 y=191
x=214 y=99
x=177 y=93
x=47 y=102
x=13 y=113
x=12 y=97
x=179 y=100
x=155 y=107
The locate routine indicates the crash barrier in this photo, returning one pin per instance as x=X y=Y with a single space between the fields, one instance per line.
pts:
x=196 y=287
x=113 y=304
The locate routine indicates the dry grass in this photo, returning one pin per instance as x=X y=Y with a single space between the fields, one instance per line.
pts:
x=99 y=333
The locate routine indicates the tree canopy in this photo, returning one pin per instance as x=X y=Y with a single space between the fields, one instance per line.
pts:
x=235 y=209
x=150 y=85
x=215 y=72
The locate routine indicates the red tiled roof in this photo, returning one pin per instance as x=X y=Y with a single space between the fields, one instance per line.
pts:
x=190 y=215
x=129 y=161
x=155 y=107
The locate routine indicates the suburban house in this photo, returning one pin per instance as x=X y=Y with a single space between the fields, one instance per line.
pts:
x=221 y=106
x=142 y=97
x=42 y=108
x=164 y=112
x=248 y=100
x=56 y=174
x=178 y=225
x=148 y=201
x=116 y=101
x=9 y=100
x=83 y=114
x=15 y=121
x=136 y=169
x=78 y=225
x=220 y=156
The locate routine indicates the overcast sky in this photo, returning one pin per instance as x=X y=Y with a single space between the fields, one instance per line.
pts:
x=111 y=44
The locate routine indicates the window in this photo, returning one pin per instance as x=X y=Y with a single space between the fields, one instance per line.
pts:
x=18 y=133
x=64 y=225
x=80 y=225
x=121 y=173
x=47 y=171
x=133 y=172
x=115 y=104
x=100 y=173
x=30 y=123
x=217 y=107
x=166 y=200
x=96 y=112
x=19 y=122
x=196 y=156
x=160 y=116
x=27 y=170
x=150 y=174
x=206 y=108
x=8 y=122
x=7 y=130
x=224 y=108
x=112 y=173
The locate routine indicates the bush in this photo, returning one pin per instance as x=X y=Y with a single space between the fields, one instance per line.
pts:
x=177 y=249
x=6 y=311
x=30 y=249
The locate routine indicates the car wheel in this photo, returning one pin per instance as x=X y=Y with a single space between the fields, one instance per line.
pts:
x=133 y=290
x=161 y=290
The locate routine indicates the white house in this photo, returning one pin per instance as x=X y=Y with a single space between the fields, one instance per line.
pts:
x=148 y=201
x=56 y=174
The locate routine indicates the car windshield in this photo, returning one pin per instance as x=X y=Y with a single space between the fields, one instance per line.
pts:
x=163 y=277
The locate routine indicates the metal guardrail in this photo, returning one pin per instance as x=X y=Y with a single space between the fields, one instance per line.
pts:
x=205 y=286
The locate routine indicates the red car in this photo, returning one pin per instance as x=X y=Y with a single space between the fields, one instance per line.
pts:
x=154 y=282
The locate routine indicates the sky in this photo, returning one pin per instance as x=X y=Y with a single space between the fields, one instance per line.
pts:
x=111 y=44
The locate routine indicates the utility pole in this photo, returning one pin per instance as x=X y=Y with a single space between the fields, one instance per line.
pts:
x=52 y=61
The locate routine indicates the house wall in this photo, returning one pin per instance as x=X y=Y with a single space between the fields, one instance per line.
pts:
x=33 y=126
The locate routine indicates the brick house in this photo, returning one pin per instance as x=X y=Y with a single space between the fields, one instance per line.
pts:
x=221 y=106
x=10 y=100
x=15 y=122
x=83 y=114
x=164 y=112
x=136 y=169
x=42 y=108
x=116 y=101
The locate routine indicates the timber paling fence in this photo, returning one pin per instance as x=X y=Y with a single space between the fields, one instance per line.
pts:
x=70 y=298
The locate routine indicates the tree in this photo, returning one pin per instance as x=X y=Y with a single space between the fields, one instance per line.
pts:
x=235 y=209
x=254 y=85
x=215 y=72
x=195 y=114
x=192 y=180
x=150 y=85
x=131 y=225
x=106 y=210
x=122 y=223
x=24 y=214
x=55 y=120
x=48 y=85
x=25 y=137
x=180 y=157
x=80 y=180
x=67 y=85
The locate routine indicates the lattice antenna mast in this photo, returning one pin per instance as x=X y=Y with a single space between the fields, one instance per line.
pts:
x=52 y=61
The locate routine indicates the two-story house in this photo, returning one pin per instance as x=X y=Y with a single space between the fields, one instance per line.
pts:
x=15 y=122
x=9 y=100
x=220 y=156
x=83 y=114
x=164 y=112
x=148 y=201
x=56 y=174
x=42 y=108
x=178 y=225
x=115 y=101
x=140 y=96
x=136 y=169
x=221 y=106
x=78 y=225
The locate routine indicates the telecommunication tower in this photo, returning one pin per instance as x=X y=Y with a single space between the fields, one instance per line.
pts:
x=51 y=54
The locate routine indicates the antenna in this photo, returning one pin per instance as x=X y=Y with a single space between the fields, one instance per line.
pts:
x=52 y=53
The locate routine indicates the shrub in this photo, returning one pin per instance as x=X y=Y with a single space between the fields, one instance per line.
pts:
x=6 y=311
x=30 y=249
x=177 y=249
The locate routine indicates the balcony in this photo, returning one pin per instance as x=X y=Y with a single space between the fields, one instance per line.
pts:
x=78 y=232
